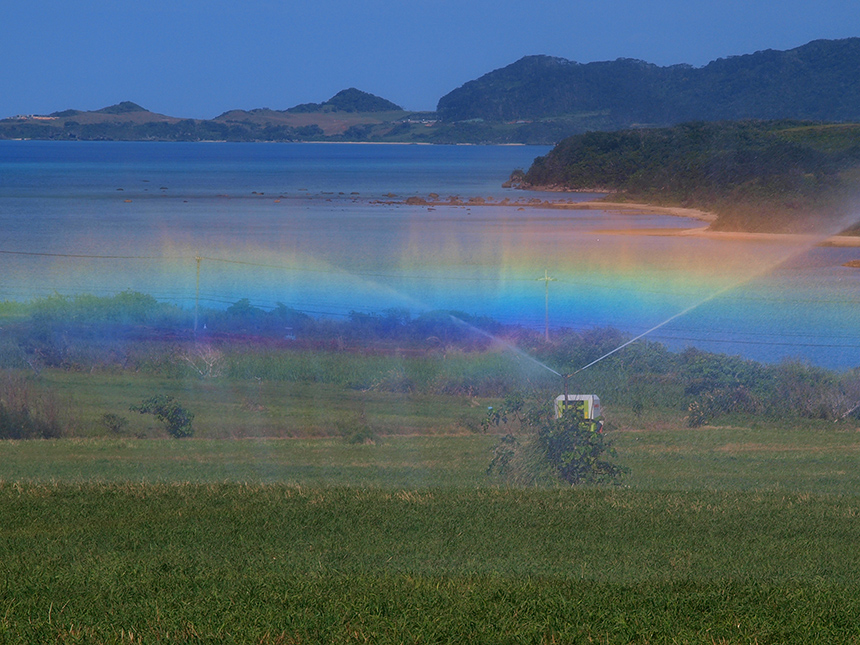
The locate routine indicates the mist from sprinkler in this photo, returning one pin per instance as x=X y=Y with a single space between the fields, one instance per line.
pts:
x=756 y=274
x=502 y=341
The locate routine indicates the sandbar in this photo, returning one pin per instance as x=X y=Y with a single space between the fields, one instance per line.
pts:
x=847 y=241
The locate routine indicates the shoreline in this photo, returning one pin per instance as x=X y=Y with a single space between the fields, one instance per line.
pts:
x=534 y=202
x=842 y=241
x=845 y=241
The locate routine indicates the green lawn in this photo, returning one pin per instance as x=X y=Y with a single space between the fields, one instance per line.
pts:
x=810 y=457
x=394 y=462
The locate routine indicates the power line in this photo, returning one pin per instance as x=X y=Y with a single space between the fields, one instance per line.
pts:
x=92 y=257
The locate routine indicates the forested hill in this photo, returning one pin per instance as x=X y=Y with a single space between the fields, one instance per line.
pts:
x=776 y=176
x=350 y=100
x=819 y=80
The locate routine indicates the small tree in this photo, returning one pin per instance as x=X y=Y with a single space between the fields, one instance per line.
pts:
x=167 y=410
x=565 y=449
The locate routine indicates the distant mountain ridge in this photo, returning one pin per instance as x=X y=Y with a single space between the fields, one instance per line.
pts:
x=819 y=81
x=349 y=115
x=126 y=107
x=536 y=100
x=350 y=100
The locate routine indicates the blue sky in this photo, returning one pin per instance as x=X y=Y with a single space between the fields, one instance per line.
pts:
x=196 y=58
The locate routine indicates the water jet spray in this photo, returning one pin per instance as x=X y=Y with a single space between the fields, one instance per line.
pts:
x=502 y=341
x=767 y=269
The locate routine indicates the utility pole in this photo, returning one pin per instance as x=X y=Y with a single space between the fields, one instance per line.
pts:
x=197 y=294
x=546 y=280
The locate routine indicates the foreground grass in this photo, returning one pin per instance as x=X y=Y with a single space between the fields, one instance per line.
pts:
x=289 y=564
x=811 y=457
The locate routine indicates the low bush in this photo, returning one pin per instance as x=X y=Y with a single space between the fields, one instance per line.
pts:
x=357 y=429
x=114 y=423
x=167 y=410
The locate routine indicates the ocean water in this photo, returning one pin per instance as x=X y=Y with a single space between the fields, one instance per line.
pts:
x=315 y=226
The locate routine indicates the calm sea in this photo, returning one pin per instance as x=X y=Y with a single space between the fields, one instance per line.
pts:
x=313 y=226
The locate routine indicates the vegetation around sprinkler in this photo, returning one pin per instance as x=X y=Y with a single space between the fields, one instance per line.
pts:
x=75 y=366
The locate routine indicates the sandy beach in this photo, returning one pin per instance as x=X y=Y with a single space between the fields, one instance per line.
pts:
x=699 y=231
x=691 y=213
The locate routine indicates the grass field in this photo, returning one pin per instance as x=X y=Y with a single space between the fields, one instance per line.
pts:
x=274 y=525
x=247 y=408
x=820 y=460
x=291 y=564
x=719 y=535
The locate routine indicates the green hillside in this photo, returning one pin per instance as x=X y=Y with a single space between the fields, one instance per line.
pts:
x=776 y=176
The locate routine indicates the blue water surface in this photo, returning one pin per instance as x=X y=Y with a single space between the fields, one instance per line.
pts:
x=324 y=228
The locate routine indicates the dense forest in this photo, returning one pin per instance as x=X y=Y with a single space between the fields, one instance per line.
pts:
x=775 y=176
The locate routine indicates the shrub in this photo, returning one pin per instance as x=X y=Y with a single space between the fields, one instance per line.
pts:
x=710 y=405
x=206 y=361
x=564 y=449
x=357 y=430
x=805 y=391
x=21 y=424
x=394 y=380
x=176 y=418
